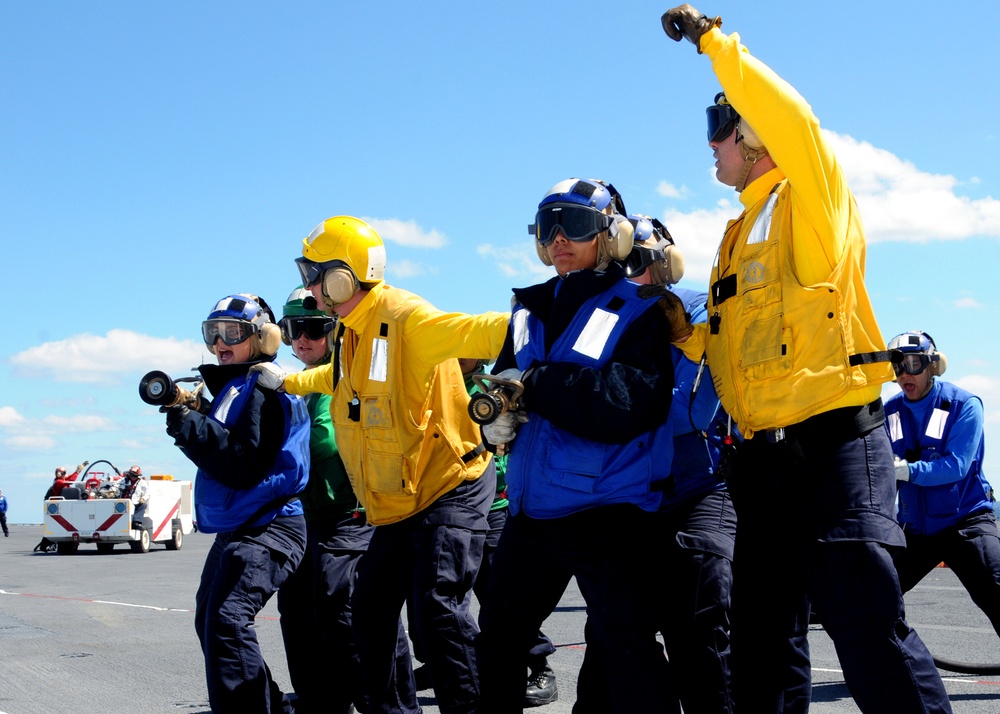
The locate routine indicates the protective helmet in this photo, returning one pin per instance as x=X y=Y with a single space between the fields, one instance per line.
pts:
x=723 y=120
x=134 y=472
x=346 y=254
x=60 y=471
x=653 y=249
x=582 y=209
x=917 y=353
x=301 y=315
x=239 y=317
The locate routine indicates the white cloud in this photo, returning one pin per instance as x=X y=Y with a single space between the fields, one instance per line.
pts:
x=966 y=302
x=406 y=233
x=901 y=203
x=10 y=417
x=30 y=442
x=110 y=359
x=81 y=423
x=668 y=190
x=986 y=388
x=898 y=202
x=407 y=269
x=516 y=261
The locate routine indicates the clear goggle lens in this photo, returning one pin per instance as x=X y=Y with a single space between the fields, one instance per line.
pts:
x=912 y=364
x=231 y=332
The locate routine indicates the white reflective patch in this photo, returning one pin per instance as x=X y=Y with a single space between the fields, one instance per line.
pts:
x=316 y=233
x=595 y=335
x=519 y=329
x=762 y=225
x=380 y=360
x=223 y=304
x=376 y=264
x=935 y=425
x=222 y=413
x=895 y=427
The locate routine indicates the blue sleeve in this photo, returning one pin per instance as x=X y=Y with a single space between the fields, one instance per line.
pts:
x=239 y=457
x=957 y=452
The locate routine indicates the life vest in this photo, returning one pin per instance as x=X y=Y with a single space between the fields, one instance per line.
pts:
x=930 y=509
x=782 y=351
x=220 y=508
x=399 y=459
x=552 y=472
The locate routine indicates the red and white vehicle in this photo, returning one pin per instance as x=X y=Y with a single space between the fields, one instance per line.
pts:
x=88 y=511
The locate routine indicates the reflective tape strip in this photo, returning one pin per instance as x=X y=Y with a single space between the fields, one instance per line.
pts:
x=519 y=328
x=594 y=336
x=762 y=225
x=895 y=427
x=227 y=401
x=935 y=426
x=379 y=367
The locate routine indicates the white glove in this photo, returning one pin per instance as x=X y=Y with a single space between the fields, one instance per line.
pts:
x=902 y=470
x=511 y=375
x=271 y=375
x=504 y=429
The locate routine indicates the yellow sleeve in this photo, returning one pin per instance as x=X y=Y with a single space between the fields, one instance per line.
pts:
x=435 y=336
x=309 y=381
x=694 y=346
x=786 y=124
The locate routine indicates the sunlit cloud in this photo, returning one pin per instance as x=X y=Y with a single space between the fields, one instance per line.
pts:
x=899 y=202
x=406 y=233
x=111 y=359
x=29 y=442
x=668 y=190
x=10 y=417
x=966 y=302
x=516 y=261
x=80 y=423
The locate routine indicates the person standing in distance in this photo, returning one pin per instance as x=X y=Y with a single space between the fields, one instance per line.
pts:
x=798 y=361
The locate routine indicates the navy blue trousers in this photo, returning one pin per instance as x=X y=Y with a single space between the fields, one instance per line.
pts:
x=816 y=522
x=316 y=616
x=695 y=564
x=607 y=550
x=971 y=548
x=433 y=557
x=242 y=571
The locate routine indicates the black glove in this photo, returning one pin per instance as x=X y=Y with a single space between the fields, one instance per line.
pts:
x=176 y=416
x=678 y=320
x=689 y=23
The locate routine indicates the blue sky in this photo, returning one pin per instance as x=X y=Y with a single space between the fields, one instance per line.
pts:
x=158 y=156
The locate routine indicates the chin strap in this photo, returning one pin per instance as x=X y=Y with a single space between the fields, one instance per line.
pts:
x=750 y=157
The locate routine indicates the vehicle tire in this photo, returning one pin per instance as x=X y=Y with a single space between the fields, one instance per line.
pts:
x=105 y=547
x=67 y=548
x=176 y=542
x=141 y=545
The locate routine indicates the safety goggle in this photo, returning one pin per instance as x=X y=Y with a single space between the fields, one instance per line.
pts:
x=641 y=258
x=314 y=328
x=232 y=332
x=721 y=119
x=913 y=364
x=312 y=272
x=576 y=223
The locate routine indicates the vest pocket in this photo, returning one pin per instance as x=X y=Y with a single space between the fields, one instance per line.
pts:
x=573 y=462
x=387 y=473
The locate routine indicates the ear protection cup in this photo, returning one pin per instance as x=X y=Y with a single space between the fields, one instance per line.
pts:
x=269 y=339
x=340 y=284
x=619 y=238
x=938 y=368
x=670 y=270
x=748 y=136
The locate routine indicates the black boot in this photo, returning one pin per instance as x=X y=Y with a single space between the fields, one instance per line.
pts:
x=542 y=688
